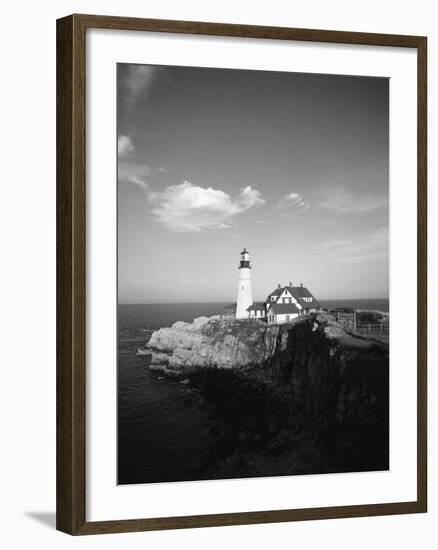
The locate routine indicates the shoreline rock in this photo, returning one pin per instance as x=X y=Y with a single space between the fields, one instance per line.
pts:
x=215 y=342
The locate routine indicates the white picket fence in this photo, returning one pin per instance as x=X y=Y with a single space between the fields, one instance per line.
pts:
x=373 y=328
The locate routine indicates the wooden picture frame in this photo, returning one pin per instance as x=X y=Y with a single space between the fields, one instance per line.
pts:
x=71 y=272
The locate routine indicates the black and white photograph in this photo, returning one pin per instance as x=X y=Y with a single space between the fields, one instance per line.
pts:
x=218 y=282
x=253 y=274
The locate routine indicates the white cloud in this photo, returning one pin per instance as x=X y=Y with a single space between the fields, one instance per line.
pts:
x=340 y=201
x=132 y=172
x=186 y=207
x=249 y=197
x=125 y=147
x=137 y=81
x=294 y=201
x=367 y=247
x=289 y=205
x=129 y=172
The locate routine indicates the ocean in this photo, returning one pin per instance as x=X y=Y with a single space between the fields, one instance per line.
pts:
x=160 y=440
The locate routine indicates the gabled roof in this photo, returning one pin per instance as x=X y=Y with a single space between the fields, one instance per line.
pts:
x=276 y=292
x=300 y=292
x=284 y=308
x=256 y=306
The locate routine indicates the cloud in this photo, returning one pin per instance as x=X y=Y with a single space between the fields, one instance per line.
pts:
x=125 y=147
x=289 y=205
x=249 y=197
x=132 y=172
x=367 y=247
x=129 y=172
x=137 y=80
x=294 y=201
x=186 y=207
x=340 y=201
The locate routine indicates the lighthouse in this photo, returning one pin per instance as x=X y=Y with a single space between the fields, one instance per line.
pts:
x=244 y=290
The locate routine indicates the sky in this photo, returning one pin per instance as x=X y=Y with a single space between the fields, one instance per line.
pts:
x=292 y=166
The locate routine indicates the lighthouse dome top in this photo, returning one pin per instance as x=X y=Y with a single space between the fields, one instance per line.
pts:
x=245 y=251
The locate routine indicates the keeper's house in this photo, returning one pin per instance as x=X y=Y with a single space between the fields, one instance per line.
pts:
x=288 y=302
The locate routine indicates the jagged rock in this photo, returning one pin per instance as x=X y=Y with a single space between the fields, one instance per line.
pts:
x=333 y=331
x=337 y=378
x=213 y=341
x=159 y=359
x=226 y=343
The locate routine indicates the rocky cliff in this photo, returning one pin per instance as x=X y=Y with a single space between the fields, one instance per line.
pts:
x=340 y=382
x=214 y=342
x=304 y=397
x=228 y=343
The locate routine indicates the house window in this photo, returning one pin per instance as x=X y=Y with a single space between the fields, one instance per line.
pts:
x=287 y=318
x=284 y=300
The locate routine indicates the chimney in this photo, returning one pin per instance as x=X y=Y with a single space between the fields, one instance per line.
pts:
x=279 y=285
x=301 y=285
x=290 y=284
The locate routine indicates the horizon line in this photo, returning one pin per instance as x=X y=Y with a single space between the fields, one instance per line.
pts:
x=231 y=302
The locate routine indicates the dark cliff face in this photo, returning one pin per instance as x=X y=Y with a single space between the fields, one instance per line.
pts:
x=319 y=404
x=342 y=385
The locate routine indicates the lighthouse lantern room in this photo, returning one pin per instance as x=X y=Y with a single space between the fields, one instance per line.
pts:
x=244 y=290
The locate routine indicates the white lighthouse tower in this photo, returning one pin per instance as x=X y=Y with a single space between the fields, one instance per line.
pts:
x=244 y=290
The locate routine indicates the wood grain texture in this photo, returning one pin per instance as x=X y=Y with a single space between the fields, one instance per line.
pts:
x=248 y=31
x=71 y=270
x=70 y=386
x=422 y=275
